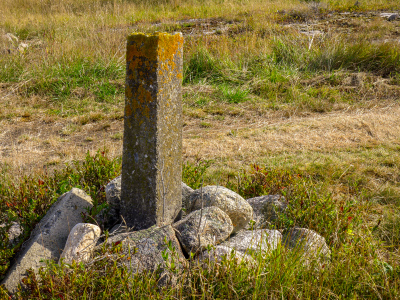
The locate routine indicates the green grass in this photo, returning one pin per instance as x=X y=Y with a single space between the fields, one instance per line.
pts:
x=63 y=79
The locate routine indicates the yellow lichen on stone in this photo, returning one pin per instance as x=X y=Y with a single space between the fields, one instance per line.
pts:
x=147 y=54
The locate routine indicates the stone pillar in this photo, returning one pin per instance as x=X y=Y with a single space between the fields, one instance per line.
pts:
x=152 y=147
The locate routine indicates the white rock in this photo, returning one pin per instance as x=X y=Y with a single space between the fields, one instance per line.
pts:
x=80 y=243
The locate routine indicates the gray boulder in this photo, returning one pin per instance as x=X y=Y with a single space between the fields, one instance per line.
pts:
x=238 y=210
x=255 y=241
x=186 y=191
x=49 y=236
x=150 y=245
x=266 y=209
x=310 y=245
x=209 y=226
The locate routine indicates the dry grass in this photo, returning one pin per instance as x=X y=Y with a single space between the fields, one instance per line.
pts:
x=309 y=87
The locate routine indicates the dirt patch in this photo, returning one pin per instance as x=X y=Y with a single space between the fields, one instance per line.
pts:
x=28 y=146
x=255 y=141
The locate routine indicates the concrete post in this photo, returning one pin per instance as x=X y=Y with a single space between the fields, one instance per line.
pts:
x=151 y=191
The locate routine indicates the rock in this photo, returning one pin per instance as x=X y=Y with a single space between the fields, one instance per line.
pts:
x=80 y=243
x=393 y=17
x=14 y=233
x=113 y=197
x=150 y=245
x=310 y=243
x=49 y=236
x=195 y=236
x=186 y=191
x=238 y=210
x=255 y=241
x=266 y=209
x=220 y=252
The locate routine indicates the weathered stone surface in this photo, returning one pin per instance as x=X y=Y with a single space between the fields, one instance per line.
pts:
x=80 y=243
x=150 y=243
x=186 y=191
x=255 y=241
x=152 y=146
x=49 y=236
x=14 y=233
x=266 y=209
x=311 y=244
x=218 y=253
x=209 y=226
x=238 y=210
x=113 y=196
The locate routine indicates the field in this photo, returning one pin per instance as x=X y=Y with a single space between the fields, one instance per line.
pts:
x=298 y=98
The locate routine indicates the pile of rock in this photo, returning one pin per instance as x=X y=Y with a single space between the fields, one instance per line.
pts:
x=212 y=215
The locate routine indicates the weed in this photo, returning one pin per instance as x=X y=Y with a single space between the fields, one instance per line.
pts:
x=233 y=95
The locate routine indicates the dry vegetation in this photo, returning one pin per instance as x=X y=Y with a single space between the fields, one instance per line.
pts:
x=310 y=87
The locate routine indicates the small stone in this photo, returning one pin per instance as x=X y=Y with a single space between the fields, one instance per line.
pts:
x=266 y=209
x=209 y=226
x=238 y=210
x=311 y=244
x=255 y=241
x=80 y=243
